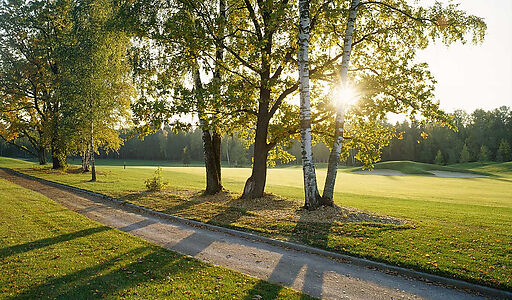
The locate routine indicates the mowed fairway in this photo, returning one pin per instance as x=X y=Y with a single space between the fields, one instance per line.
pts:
x=461 y=227
x=48 y=251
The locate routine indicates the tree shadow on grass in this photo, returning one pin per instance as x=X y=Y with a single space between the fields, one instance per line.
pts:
x=132 y=274
x=317 y=234
x=85 y=283
x=17 y=249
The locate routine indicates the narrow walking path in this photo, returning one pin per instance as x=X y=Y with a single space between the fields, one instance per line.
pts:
x=312 y=274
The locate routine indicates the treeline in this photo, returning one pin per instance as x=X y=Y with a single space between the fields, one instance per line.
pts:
x=480 y=136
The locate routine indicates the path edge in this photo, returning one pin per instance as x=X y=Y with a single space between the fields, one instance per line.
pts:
x=451 y=282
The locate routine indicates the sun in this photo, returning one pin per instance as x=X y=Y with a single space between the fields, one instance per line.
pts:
x=345 y=96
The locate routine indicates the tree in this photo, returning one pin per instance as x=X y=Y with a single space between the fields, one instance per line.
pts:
x=97 y=82
x=437 y=22
x=260 y=43
x=484 y=154
x=30 y=66
x=182 y=55
x=311 y=194
x=439 y=160
x=64 y=72
x=503 y=153
x=465 y=156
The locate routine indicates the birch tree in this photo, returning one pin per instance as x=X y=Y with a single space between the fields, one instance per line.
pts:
x=334 y=157
x=446 y=23
x=312 y=196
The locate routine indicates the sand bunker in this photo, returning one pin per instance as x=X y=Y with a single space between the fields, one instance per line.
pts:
x=447 y=174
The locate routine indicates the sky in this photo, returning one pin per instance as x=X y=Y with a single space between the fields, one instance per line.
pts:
x=475 y=76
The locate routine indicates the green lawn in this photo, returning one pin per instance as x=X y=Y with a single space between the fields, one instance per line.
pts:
x=411 y=167
x=48 y=251
x=461 y=227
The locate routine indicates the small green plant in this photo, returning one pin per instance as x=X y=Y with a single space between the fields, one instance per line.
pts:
x=156 y=183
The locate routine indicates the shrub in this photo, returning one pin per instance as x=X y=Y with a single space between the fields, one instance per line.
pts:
x=156 y=183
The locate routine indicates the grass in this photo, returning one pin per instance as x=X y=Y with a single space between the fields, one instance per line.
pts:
x=460 y=227
x=48 y=251
x=417 y=168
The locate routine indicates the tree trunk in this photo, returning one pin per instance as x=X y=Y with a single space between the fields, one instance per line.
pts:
x=211 y=148
x=255 y=185
x=85 y=157
x=227 y=152
x=311 y=194
x=58 y=158
x=213 y=182
x=93 y=165
x=334 y=157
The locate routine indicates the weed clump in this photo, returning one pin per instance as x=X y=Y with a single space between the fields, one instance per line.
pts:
x=156 y=183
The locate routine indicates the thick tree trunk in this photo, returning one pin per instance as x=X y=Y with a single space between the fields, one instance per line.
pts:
x=311 y=194
x=58 y=158
x=211 y=149
x=216 y=143
x=334 y=157
x=255 y=185
x=213 y=182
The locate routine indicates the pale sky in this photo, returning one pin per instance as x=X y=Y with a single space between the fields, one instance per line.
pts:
x=475 y=76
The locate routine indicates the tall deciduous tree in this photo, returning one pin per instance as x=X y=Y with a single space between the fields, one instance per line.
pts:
x=312 y=196
x=403 y=23
x=33 y=36
x=64 y=70
x=183 y=54
x=97 y=80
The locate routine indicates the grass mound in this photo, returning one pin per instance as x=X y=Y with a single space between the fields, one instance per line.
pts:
x=504 y=168
x=417 y=168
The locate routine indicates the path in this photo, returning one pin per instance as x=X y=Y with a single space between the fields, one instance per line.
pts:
x=312 y=274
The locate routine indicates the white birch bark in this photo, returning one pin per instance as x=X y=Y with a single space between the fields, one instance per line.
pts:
x=312 y=196
x=93 y=165
x=334 y=157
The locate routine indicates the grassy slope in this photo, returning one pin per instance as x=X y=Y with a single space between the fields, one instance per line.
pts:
x=47 y=251
x=411 y=167
x=463 y=227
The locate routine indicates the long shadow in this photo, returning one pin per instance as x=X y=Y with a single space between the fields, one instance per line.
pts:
x=12 y=250
x=196 y=243
x=76 y=281
x=138 y=225
x=316 y=234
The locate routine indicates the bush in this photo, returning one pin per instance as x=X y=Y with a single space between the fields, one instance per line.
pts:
x=156 y=183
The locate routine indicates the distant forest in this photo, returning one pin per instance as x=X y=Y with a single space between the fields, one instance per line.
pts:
x=481 y=136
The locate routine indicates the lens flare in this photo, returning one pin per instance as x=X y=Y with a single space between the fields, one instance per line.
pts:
x=345 y=96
